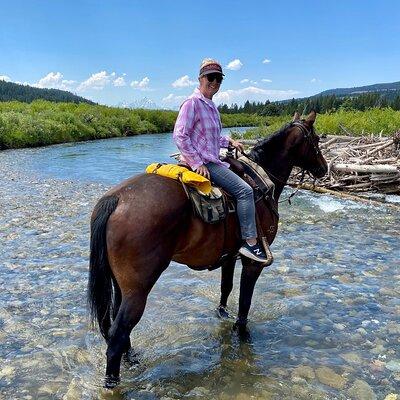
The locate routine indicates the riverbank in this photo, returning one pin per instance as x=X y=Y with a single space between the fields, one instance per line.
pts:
x=43 y=123
x=383 y=121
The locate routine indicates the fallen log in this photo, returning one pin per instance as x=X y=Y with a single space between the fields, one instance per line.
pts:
x=376 y=168
x=327 y=143
x=318 y=189
x=389 y=143
x=366 y=146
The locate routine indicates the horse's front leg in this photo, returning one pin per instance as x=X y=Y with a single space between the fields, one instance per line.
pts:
x=250 y=273
x=227 y=272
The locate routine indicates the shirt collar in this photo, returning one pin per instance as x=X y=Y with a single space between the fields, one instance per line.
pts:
x=201 y=96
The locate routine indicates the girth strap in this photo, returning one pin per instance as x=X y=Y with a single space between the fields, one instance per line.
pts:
x=259 y=175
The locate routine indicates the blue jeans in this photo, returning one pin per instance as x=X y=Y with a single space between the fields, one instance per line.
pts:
x=242 y=192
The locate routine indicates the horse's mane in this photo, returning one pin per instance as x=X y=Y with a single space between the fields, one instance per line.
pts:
x=269 y=142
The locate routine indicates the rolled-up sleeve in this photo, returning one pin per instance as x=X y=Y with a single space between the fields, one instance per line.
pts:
x=183 y=130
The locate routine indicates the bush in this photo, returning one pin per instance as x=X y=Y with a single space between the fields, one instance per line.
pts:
x=372 y=121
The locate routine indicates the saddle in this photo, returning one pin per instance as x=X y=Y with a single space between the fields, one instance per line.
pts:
x=215 y=206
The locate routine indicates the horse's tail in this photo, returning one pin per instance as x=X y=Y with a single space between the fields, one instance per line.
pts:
x=101 y=281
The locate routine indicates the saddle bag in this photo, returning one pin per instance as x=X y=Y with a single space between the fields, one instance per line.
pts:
x=211 y=208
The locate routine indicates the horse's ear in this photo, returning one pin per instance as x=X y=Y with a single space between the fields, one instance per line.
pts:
x=311 y=118
x=296 y=116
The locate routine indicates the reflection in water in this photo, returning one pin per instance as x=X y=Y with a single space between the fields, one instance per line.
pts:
x=324 y=322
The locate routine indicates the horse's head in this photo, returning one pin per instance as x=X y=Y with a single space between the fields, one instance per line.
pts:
x=303 y=145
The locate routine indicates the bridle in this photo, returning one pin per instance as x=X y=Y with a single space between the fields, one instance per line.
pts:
x=308 y=133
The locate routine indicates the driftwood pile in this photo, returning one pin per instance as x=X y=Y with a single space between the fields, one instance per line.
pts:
x=362 y=164
x=356 y=164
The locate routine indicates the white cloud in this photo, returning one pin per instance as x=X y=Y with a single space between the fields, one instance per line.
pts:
x=96 y=81
x=141 y=85
x=183 y=81
x=253 y=94
x=5 y=78
x=235 y=65
x=120 y=81
x=266 y=61
x=266 y=80
x=51 y=80
x=249 y=81
x=54 y=80
x=173 y=101
x=313 y=80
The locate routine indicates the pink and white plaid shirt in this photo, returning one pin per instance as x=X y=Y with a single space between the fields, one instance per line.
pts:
x=197 y=131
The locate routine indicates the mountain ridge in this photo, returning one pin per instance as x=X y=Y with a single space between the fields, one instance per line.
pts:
x=10 y=91
x=386 y=89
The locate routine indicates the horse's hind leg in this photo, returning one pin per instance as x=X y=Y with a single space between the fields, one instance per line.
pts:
x=116 y=305
x=129 y=314
x=227 y=272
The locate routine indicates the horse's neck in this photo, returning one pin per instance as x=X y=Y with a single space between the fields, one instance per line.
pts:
x=281 y=175
x=278 y=166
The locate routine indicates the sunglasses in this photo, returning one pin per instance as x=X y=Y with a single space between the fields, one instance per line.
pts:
x=214 y=76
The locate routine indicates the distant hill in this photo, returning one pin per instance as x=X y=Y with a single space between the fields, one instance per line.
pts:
x=380 y=95
x=387 y=90
x=10 y=91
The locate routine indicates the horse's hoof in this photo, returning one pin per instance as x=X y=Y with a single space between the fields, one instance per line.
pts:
x=242 y=331
x=110 y=382
x=223 y=313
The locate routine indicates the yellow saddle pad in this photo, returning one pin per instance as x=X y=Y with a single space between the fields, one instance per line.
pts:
x=181 y=173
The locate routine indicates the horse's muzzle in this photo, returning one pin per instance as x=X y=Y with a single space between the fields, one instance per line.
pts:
x=320 y=171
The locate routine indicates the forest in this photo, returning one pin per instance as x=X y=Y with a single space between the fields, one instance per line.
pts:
x=321 y=104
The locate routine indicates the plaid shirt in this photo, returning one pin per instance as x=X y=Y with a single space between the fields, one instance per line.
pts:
x=197 y=131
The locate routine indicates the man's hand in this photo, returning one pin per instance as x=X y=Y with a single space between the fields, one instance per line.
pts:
x=203 y=171
x=236 y=144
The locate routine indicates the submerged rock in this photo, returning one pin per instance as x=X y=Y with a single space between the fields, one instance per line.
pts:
x=74 y=391
x=360 y=390
x=7 y=372
x=329 y=377
x=392 y=396
x=352 y=358
x=393 y=365
x=300 y=392
x=303 y=371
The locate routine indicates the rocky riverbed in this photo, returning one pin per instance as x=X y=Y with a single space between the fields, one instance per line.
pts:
x=325 y=322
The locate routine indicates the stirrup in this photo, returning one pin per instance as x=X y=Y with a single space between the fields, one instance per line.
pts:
x=270 y=257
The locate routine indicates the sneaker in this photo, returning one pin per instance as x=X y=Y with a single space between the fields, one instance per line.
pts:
x=255 y=252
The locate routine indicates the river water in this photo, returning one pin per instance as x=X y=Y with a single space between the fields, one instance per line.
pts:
x=325 y=320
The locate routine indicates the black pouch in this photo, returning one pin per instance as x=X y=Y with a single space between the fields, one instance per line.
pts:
x=211 y=208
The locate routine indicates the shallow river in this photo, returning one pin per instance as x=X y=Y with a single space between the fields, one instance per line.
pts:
x=325 y=321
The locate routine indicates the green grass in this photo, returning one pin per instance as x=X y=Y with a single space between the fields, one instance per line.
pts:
x=357 y=123
x=42 y=123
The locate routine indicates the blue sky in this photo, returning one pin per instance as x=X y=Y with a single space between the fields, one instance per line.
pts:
x=121 y=51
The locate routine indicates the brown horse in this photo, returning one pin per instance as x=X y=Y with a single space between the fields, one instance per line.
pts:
x=142 y=224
